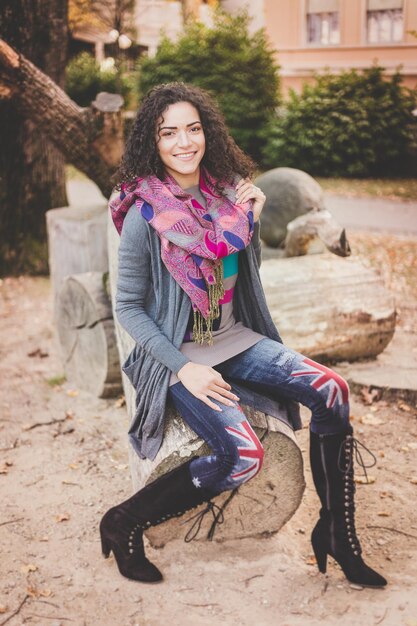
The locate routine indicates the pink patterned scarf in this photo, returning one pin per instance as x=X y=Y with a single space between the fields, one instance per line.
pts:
x=193 y=239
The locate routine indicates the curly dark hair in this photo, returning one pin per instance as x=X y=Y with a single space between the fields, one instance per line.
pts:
x=223 y=159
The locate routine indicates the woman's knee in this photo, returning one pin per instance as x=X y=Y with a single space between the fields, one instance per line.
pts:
x=327 y=389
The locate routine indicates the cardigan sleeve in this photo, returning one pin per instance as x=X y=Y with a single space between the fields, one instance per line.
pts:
x=256 y=242
x=134 y=280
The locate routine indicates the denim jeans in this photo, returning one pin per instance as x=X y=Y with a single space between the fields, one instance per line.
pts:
x=237 y=453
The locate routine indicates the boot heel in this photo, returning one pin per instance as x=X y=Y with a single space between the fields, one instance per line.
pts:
x=321 y=555
x=105 y=547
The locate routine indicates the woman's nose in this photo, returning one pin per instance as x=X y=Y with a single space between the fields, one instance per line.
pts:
x=183 y=138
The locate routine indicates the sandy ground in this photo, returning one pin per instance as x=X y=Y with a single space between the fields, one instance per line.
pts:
x=64 y=462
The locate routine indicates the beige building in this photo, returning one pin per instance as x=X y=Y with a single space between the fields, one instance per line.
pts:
x=312 y=35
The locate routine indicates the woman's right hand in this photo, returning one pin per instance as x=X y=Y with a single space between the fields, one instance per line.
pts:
x=203 y=381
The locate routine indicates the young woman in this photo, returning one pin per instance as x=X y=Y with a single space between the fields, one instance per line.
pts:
x=189 y=293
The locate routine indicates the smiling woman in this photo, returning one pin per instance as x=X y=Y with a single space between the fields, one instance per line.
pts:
x=189 y=293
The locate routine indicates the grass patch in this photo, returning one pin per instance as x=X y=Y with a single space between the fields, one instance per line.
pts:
x=390 y=189
x=56 y=381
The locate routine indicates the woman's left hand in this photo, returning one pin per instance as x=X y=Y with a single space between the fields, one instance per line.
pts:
x=246 y=190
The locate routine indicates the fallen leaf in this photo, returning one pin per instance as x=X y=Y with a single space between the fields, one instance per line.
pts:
x=120 y=402
x=34 y=592
x=3 y=608
x=62 y=517
x=45 y=593
x=310 y=560
x=38 y=352
x=72 y=393
x=370 y=395
x=413 y=481
x=45 y=538
x=31 y=567
x=386 y=494
x=362 y=480
x=383 y=514
x=405 y=449
x=69 y=415
x=73 y=465
x=4 y=468
x=404 y=407
x=371 y=420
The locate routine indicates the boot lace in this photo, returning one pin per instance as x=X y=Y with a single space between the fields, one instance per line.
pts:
x=350 y=450
x=218 y=518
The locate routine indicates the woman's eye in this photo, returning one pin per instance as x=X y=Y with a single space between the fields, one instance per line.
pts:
x=195 y=128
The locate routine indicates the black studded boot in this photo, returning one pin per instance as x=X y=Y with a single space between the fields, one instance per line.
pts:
x=331 y=460
x=121 y=528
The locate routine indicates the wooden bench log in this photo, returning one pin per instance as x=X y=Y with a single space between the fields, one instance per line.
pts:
x=77 y=243
x=259 y=507
x=86 y=335
x=328 y=308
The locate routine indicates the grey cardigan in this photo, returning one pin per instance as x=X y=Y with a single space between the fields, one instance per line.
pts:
x=154 y=310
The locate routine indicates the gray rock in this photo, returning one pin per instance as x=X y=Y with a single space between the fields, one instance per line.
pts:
x=289 y=194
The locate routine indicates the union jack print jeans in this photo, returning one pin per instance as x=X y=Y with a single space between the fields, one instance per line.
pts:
x=237 y=453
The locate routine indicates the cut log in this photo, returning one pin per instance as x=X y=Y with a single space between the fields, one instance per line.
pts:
x=260 y=506
x=86 y=335
x=77 y=243
x=328 y=308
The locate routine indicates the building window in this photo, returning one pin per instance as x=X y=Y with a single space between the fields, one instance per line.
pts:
x=385 y=21
x=323 y=22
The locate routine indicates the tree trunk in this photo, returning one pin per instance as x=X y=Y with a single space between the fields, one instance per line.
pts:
x=32 y=177
x=89 y=138
x=190 y=10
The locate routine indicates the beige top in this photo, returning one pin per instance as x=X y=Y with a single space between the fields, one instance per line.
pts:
x=229 y=337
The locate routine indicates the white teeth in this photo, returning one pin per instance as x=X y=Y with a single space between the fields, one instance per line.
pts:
x=185 y=156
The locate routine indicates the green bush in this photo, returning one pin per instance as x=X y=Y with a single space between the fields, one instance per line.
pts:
x=237 y=68
x=352 y=124
x=84 y=80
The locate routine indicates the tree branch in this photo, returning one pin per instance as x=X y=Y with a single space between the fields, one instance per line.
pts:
x=90 y=138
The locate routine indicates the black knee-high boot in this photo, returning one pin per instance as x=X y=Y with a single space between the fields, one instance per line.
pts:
x=121 y=528
x=331 y=460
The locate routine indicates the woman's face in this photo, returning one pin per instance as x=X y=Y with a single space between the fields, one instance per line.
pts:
x=181 y=143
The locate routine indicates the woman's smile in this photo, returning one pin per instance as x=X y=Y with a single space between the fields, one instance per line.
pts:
x=186 y=157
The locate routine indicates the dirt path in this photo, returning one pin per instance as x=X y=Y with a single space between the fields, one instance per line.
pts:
x=64 y=462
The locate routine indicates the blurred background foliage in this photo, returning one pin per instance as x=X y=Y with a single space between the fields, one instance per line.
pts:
x=84 y=80
x=354 y=124
x=351 y=124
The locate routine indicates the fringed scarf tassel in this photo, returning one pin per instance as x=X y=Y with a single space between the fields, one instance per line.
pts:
x=215 y=293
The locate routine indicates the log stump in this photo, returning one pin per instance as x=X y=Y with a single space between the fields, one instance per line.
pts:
x=86 y=335
x=261 y=506
x=328 y=308
x=77 y=243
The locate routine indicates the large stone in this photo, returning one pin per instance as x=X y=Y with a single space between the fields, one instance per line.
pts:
x=289 y=194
